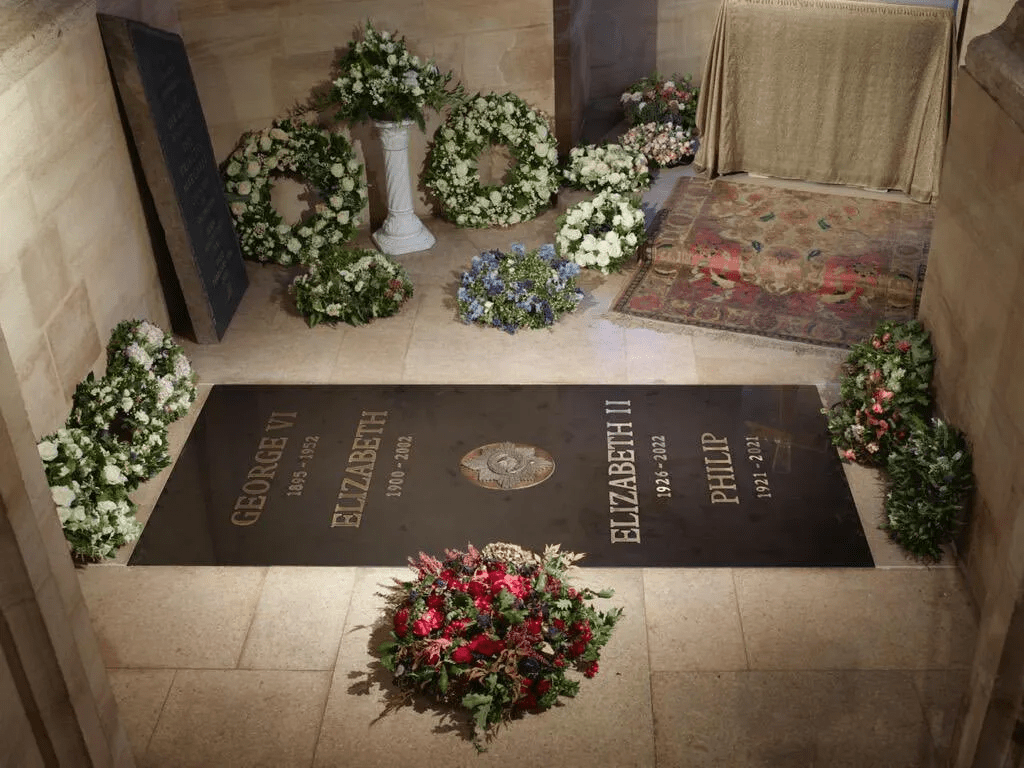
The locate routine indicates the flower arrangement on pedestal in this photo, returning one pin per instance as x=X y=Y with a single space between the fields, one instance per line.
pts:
x=885 y=387
x=601 y=232
x=656 y=99
x=663 y=144
x=495 y=631
x=116 y=437
x=322 y=159
x=452 y=175
x=352 y=285
x=519 y=289
x=608 y=168
x=377 y=78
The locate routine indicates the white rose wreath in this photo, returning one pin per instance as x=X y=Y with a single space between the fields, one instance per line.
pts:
x=324 y=161
x=452 y=175
x=601 y=232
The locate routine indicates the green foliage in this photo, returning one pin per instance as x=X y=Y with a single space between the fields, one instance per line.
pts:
x=353 y=285
x=929 y=481
x=885 y=388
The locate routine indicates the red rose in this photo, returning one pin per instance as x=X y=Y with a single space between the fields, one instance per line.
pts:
x=483 y=603
x=543 y=686
x=456 y=627
x=533 y=626
x=402 y=622
x=462 y=655
x=435 y=601
x=591 y=669
x=430 y=620
x=477 y=589
x=485 y=646
x=903 y=346
x=576 y=649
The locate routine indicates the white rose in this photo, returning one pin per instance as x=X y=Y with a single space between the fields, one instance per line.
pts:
x=62 y=495
x=347 y=185
x=113 y=475
x=338 y=170
x=342 y=217
x=47 y=450
x=252 y=168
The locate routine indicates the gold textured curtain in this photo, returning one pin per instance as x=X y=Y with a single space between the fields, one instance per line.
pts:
x=835 y=91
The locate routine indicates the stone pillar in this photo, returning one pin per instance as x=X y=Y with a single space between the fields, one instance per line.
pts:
x=972 y=306
x=56 y=705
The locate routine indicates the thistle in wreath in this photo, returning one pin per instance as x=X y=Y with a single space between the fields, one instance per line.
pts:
x=519 y=289
x=884 y=390
x=495 y=631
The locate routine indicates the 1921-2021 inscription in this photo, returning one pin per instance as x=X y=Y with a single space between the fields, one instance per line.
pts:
x=363 y=475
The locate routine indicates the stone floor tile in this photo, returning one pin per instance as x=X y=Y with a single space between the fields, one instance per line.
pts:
x=693 y=622
x=855 y=618
x=258 y=357
x=757 y=719
x=299 y=619
x=942 y=693
x=243 y=718
x=659 y=358
x=140 y=696
x=157 y=616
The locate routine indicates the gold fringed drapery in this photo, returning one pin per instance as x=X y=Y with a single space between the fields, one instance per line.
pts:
x=834 y=91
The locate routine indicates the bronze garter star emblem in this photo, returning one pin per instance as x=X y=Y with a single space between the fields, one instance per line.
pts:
x=507 y=466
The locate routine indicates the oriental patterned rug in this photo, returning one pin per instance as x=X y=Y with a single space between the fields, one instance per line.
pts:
x=803 y=266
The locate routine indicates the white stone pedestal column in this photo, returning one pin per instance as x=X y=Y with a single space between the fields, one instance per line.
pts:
x=402 y=231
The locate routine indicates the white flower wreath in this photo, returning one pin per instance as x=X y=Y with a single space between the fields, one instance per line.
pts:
x=601 y=232
x=324 y=161
x=611 y=168
x=452 y=175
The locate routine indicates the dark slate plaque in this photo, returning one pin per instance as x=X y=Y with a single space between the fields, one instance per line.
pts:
x=155 y=85
x=631 y=475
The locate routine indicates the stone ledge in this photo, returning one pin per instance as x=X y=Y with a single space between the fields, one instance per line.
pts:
x=996 y=61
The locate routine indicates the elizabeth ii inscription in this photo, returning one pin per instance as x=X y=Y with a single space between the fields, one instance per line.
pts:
x=631 y=475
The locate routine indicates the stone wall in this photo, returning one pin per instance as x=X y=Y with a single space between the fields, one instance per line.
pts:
x=685 y=31
x=972 y=305
x=253 y=60
x=75 y=253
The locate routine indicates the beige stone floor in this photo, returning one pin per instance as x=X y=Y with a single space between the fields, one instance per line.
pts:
x=220 y=667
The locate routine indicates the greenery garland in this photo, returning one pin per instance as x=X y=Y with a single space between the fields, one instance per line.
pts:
x=351 y=285
x=929 y=480
x=602 y=232
x=452 y=176
x=324 y=161
x=116 y=437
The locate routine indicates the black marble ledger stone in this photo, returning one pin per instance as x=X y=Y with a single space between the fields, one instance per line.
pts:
x=155 y=85
x=641 y=476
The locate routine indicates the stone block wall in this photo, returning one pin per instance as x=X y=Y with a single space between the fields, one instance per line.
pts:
x=685 y=31
x=253 y=60
x=75 y=253
x=972 y=305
